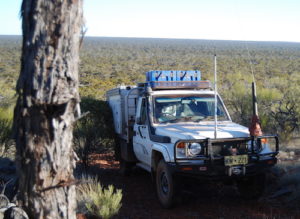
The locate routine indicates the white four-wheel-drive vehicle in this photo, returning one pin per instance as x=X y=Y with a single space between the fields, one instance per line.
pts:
x=171 y=127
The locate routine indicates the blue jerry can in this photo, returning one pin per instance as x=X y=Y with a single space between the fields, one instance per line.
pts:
x=188 y=76
x=161 y=76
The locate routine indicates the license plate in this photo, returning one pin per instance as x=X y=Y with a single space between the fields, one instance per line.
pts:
x=235 y=160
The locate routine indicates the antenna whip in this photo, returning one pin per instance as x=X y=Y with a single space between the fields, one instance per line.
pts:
x=216 y=98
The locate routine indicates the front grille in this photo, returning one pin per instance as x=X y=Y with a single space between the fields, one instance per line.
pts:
x=227 y=149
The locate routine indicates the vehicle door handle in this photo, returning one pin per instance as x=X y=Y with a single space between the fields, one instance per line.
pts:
x=139 y=129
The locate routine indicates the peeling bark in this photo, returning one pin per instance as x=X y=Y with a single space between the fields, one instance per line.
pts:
x=47 y=98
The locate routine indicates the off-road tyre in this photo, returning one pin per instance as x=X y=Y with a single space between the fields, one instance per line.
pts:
x=253 y=187
x=165 y=185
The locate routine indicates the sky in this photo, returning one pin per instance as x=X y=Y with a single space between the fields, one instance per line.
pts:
x=255 y=20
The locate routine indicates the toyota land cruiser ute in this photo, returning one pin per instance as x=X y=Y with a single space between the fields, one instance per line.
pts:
x=174 y=124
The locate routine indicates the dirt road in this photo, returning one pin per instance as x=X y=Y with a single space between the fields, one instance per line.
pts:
x=197 y=200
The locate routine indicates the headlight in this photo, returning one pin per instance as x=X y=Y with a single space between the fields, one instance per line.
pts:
x=194 y=149
x=184 y=150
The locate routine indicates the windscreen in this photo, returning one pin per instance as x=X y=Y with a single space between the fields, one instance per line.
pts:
x=169 y=109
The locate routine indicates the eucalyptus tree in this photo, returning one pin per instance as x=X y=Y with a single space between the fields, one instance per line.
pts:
x=48 y=96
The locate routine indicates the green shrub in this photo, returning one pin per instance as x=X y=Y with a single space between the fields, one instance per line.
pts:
x=6 y=141
x=93 y=199
x=94 y=132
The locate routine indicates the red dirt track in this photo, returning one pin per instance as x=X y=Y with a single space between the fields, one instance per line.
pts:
x=197 y=200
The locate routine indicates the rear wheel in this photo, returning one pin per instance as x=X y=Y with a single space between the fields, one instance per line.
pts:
x=165 y=185
x=252 y=187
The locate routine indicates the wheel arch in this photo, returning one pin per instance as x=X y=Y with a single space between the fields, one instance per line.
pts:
x=158 y=152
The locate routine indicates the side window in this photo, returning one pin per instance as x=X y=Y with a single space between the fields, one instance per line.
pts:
x=143 y=112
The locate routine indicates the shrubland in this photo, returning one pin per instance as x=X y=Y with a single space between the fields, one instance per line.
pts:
x=109 y=62
x=93 y=132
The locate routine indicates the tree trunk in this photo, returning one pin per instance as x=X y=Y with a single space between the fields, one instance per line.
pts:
x=45 y=112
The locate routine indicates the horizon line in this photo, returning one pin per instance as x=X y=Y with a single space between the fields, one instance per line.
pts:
x=168 y=38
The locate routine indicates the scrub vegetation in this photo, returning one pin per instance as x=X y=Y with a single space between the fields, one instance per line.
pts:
x=93 y=132
x=109 y=62
x=94 y=200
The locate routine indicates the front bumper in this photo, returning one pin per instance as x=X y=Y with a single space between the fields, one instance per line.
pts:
x=217 y=170
x=214 y=168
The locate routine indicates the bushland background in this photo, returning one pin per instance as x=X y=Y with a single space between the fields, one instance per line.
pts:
x=109 y=62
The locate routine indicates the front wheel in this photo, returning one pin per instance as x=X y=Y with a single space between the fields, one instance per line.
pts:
x=165 y=185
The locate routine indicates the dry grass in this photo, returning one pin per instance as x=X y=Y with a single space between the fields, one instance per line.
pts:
x=94 y=200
